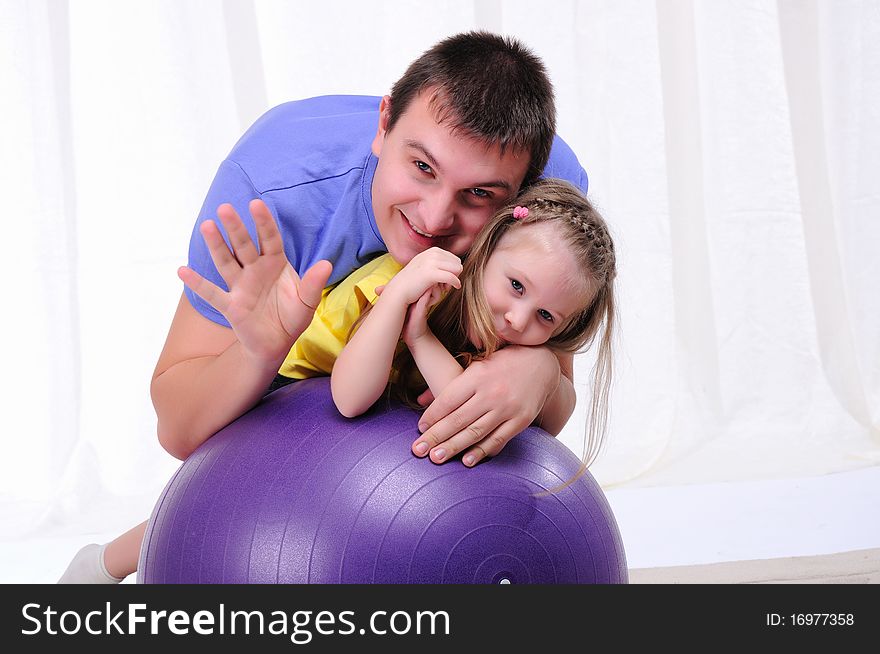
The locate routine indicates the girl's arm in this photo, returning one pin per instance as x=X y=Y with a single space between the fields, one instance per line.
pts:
x=434 y=361
x=361 y=371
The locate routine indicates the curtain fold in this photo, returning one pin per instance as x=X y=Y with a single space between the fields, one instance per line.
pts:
x=696 y=340
x=799 y=29
x=40 y=323
x=734 y=148
x=245 y=60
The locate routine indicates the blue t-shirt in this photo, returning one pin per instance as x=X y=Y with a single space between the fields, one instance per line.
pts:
x=310 y=161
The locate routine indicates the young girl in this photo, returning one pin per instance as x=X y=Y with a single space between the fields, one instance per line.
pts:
x=540 y=273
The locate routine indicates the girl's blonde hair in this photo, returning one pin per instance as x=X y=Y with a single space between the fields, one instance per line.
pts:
x=557 y=203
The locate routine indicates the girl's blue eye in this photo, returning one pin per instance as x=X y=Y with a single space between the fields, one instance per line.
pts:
x=425 y=168
x=480 y=193
x=546 y=315
x=516 y=286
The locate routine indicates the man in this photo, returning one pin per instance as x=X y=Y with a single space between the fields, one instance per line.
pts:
x=468 y=124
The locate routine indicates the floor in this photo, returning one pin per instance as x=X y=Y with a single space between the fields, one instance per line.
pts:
x=813 y=530
x=673 y=526
x=859 y=567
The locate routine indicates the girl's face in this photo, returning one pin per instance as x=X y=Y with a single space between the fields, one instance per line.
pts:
x=532 y=285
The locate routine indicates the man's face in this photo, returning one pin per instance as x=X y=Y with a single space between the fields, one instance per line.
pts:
x=433 y=187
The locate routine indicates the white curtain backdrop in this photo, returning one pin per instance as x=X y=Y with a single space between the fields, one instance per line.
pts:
x=734 y=147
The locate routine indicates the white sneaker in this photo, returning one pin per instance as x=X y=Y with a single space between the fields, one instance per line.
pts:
x=87 y=567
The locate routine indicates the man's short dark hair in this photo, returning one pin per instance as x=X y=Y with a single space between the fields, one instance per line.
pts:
x=489 y=87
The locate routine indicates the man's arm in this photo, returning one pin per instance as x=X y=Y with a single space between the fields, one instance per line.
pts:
x=203 y=381
x=560 y=405
x=208 y=375
x=495 y=399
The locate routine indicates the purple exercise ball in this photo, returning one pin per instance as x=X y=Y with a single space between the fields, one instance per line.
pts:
x=293 y=492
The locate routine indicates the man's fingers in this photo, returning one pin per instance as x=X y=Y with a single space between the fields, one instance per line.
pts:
x=457 y=421
x=473 y=433
x=242 y=245
x=481 y=433
x=492 y=444
x=453 y=397
x=485 y=438
x=271 y=243
x=313 y=282
x=207 y=290
x=227 y=265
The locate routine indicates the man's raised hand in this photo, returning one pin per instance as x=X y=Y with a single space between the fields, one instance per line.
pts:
x=267 y=305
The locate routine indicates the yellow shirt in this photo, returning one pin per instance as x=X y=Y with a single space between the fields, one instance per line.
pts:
x=315 y=351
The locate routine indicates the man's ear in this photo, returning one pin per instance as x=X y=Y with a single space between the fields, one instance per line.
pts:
x=382 y=129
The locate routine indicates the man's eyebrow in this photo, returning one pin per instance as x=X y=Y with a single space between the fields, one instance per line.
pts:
x=417 y=145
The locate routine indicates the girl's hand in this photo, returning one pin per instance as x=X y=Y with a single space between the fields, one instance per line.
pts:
x=268 y=306
x=426 y=269
x=416 y=325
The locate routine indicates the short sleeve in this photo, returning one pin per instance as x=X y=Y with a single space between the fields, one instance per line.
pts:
x=231 y=185
x=316 y=350
x=564 y=164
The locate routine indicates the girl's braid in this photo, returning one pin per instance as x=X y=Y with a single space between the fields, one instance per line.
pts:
x=594 y=230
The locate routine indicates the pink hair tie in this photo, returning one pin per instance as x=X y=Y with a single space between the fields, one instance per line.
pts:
x=520 y=212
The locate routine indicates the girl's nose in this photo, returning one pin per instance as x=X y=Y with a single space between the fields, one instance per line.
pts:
x=515 y=320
